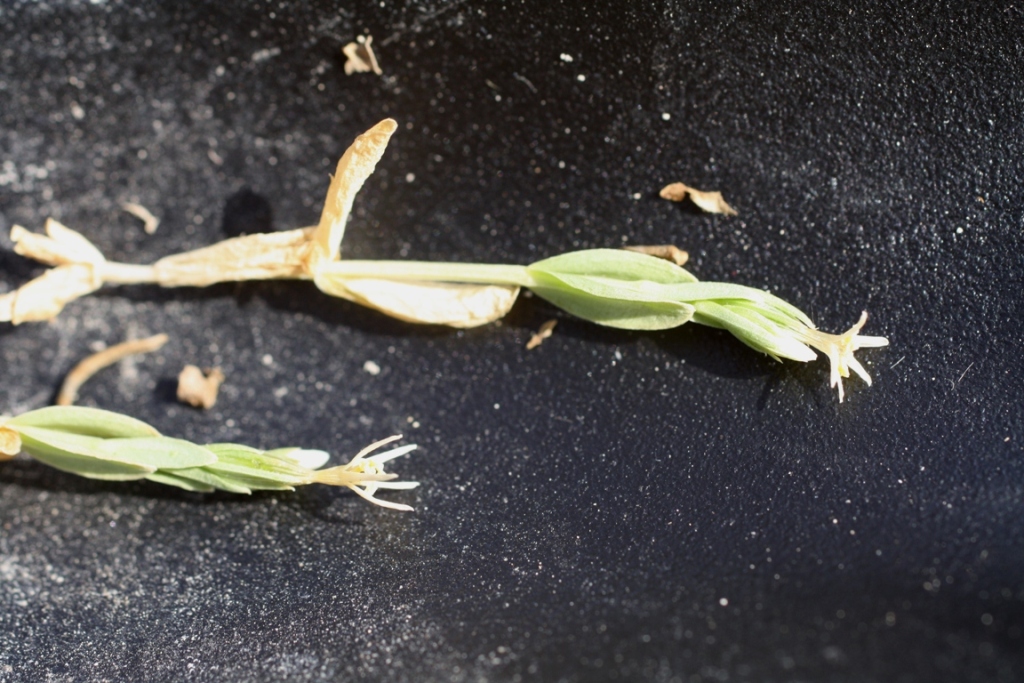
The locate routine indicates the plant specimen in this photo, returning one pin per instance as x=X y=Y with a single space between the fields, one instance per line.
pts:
x=612 y=287
x=100 y=444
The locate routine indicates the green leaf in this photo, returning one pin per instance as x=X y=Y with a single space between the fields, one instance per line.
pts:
x=161 y=452
x=201 y=476
x=84 y=421
x=630 y=315
x=268 y=463
x=753 y=330
x=616 y=264
x=152 y=452
x=180 y=482
x=614 y=288
x=248 y=467
x=78 y=459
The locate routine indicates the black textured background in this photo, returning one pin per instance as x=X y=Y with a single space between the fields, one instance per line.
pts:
x=610 y=506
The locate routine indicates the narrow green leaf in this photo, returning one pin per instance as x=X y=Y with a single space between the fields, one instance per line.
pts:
x=84 y=421
x=181 y=482
x=77 y=462
x=630 y=315
x=202 y=476
x=247 y=467
x=751 y=331
x=161 y=452
x=614 y=287
x=617 y=264
x=267 y=464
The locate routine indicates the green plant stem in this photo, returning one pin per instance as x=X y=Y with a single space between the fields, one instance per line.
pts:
x=428 y=271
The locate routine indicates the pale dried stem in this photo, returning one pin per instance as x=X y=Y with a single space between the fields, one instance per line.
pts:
x=96 y=362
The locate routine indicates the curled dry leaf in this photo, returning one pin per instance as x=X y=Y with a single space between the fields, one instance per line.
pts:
x=543 y=333
x=89 y=366
x=432 y=303
x=355 y=166
x=149 y=221
x=668 y=252
x=199 y=389
x=77 y=273
x=360 y=57
x=58 y=247
x=250 y=257
x=712 y=202
x=44 y=298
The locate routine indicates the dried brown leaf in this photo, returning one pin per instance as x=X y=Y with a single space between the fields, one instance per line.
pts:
x=149 y=221
x=712 y=202
x=44 y=297
x=361 y=58
x=59 y=246
x=354 y=168
x=543 y=333
x=432 y=303
x=97 y=361
x=250 y=257
x=197 y=388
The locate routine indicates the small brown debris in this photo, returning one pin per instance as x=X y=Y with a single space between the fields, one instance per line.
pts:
x=149 y=221
x=668 y=252
x=712 y=202
x=360 y=57
x=543 y=333
x=199 y=389
x=97 y=361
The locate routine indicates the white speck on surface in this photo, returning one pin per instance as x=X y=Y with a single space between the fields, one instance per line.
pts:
x=371 y=367
x=565 y=57
x=637 y=195
x=409 y=177
x=497 y=406
x=280 y=392
x=665 y=116
x=265 y=54
x=724 y=602
x=581 y=78
x=267 y=360
x=77 y=111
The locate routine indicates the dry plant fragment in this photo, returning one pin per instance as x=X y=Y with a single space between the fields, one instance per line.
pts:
x=668 y=252
x=199 y=389
x=430 y=303
x=250 y=257
x=354 y=167
x=712 y=202
x=45 y=297
x=360 y=57
x=10 y=443
x=543 y=333
x=149 y=221
x=97 y=361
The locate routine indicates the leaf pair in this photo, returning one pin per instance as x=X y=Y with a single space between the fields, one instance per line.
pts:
x=102 y=445
x=99 y=444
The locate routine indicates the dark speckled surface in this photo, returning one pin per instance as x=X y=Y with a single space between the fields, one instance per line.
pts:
x=611 y=506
